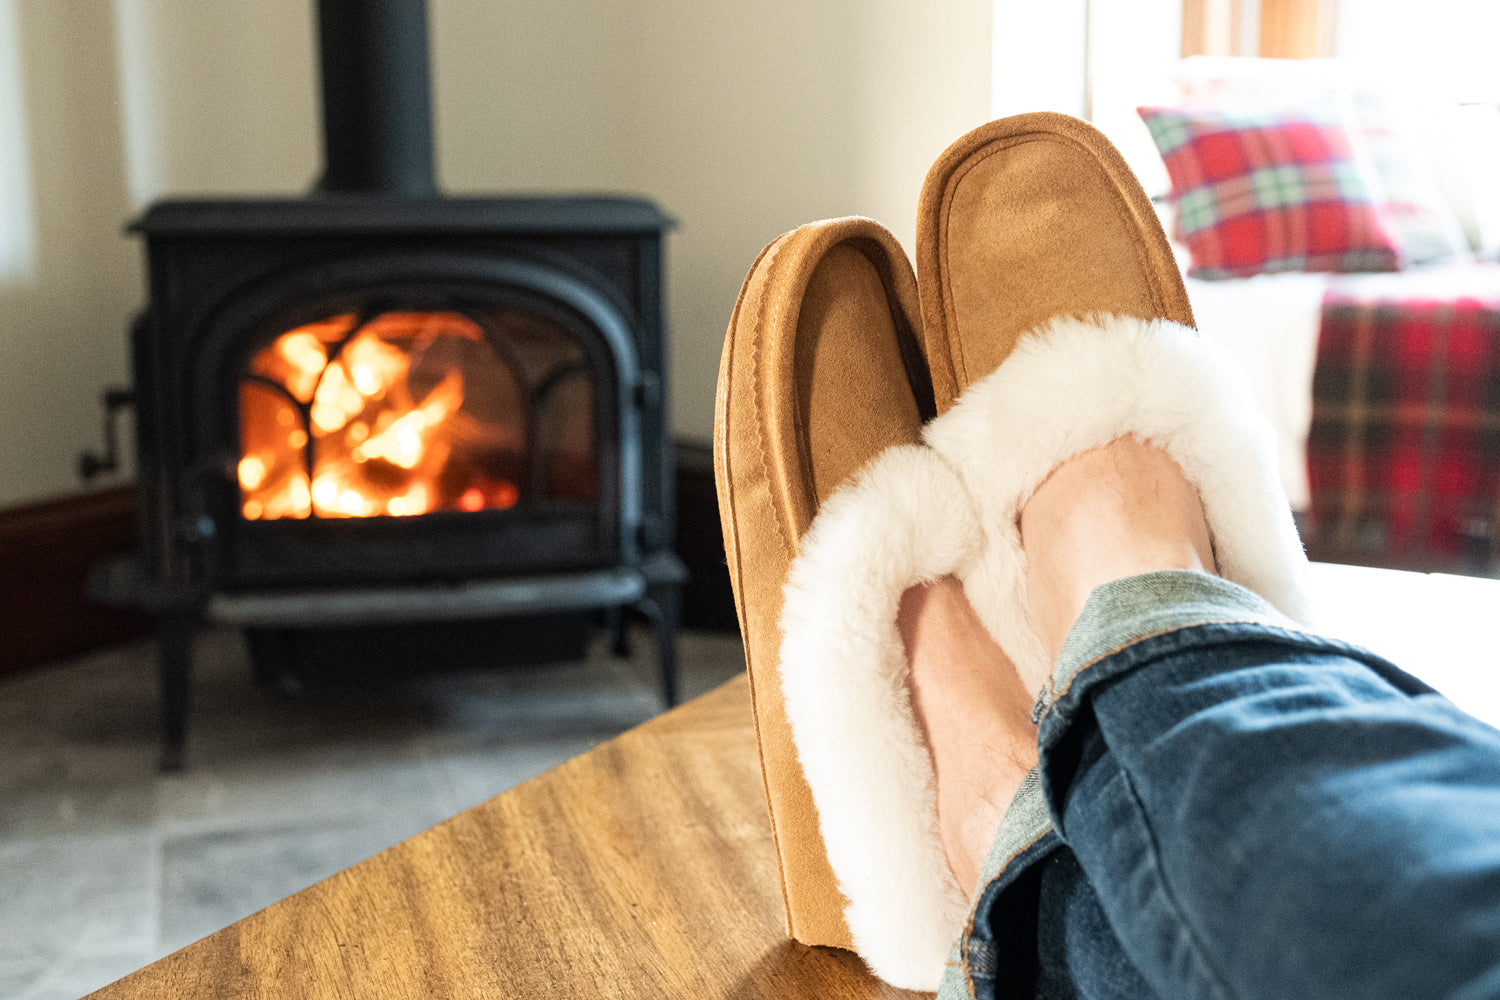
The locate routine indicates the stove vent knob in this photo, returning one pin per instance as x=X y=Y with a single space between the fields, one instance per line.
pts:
x=197 y=529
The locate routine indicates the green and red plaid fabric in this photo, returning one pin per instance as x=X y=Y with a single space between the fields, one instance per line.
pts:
x=1403 y=455
x=1260 y=191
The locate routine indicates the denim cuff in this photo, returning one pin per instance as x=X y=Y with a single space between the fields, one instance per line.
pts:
x=1124 y=625
x=1118 y=614
x=1133 y=622
x=1123 y=612
x=992 y=955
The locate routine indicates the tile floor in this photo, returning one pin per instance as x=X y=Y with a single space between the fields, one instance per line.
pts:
x=107 y=865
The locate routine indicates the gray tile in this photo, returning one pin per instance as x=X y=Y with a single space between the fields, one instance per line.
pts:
x=109 y=691
x=106 y=864
x=66 y=809
x=88 y=891
x=38 y=765
x=237 y=727
x=79 y=975
x=70 y=899
x=22 y=969
x=108 y=715
x=64 y=784
x=477 y=775
x=281 y=789
x=705 y=660
x=91 y=722
x=100 y=764
x=211 y=880
x=590 y=697
x=708 y=660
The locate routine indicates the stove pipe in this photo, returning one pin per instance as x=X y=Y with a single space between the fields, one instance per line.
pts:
x=377 y=112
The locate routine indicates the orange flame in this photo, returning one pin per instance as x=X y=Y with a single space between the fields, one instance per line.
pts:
x=385 y=431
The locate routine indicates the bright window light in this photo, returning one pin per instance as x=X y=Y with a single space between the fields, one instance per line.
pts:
x=1449 y=45
x=17 y=219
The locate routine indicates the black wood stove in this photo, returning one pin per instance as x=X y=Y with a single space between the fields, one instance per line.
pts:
x=376 y=405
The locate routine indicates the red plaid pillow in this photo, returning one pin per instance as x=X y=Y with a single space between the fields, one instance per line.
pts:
x=1260 y=191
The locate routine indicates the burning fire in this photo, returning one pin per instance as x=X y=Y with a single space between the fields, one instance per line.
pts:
x=374 y=421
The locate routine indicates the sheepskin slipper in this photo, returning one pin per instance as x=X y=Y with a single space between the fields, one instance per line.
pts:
x=822 y=371
x=1076 y=384
x=1025 y=219
x=906 y=519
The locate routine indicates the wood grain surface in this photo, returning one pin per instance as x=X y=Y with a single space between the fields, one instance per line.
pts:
x=643 y=868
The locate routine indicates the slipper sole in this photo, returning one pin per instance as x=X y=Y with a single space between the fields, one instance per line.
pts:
x=906 y=520
x=792 y=421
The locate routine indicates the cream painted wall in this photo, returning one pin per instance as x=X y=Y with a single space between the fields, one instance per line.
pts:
x=759 y=117
x=740 y=120
x=68 y=285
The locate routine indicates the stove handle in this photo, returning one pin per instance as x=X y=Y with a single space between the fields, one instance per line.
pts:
x=91 y=463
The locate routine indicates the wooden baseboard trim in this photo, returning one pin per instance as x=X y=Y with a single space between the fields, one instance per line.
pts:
x=46 y=552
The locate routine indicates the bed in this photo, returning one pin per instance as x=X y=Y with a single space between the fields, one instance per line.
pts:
x=1340 y=239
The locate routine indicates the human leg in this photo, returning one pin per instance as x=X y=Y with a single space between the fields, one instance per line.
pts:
x=975 y=715
x=1261 y=812
x=1039 y=928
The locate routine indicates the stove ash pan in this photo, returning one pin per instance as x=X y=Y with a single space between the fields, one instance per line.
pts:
x=360 y=407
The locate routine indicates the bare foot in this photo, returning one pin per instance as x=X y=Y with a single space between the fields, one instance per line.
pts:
x=1103 y=515
x=976 y=714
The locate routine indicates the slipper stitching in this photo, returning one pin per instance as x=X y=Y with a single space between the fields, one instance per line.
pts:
x=1120 y=205
x=761 y=416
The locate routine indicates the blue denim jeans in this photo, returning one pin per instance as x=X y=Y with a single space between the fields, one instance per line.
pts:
x=1228 y=806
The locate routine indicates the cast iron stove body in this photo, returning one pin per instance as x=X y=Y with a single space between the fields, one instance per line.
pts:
x=376 y=404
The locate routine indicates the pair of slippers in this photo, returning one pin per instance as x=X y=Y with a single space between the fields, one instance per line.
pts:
x=876 y=429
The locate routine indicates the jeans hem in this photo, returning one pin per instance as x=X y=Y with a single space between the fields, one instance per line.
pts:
x=1125 y=625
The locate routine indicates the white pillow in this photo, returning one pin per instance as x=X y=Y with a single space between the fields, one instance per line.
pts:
x=1471 y=173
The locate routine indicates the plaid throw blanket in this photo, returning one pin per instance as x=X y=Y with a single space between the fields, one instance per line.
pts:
x=1404 y=448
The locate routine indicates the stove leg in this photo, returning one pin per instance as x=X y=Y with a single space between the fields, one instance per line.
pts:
x=619 y=625
x=663 y=605
x=174 y=638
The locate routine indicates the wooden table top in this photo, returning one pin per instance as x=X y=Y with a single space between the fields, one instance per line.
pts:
x=643 y=868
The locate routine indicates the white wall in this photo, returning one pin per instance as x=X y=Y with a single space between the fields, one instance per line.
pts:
x=1133 y=47
x=1040 y=57
x=741 y=120
x=1448 y=45
x=68 y=279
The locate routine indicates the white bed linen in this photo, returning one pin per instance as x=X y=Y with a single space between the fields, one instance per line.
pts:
x=1270 y=324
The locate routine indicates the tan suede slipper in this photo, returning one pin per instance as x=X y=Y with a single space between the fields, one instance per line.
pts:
x=1024 y=220
x=822 y=370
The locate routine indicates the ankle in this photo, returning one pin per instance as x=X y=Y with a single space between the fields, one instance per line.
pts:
x=1112 y=512
x=975 y=714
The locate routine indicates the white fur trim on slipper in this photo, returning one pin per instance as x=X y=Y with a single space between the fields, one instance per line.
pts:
x=1076 y=384
x=905 y=520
